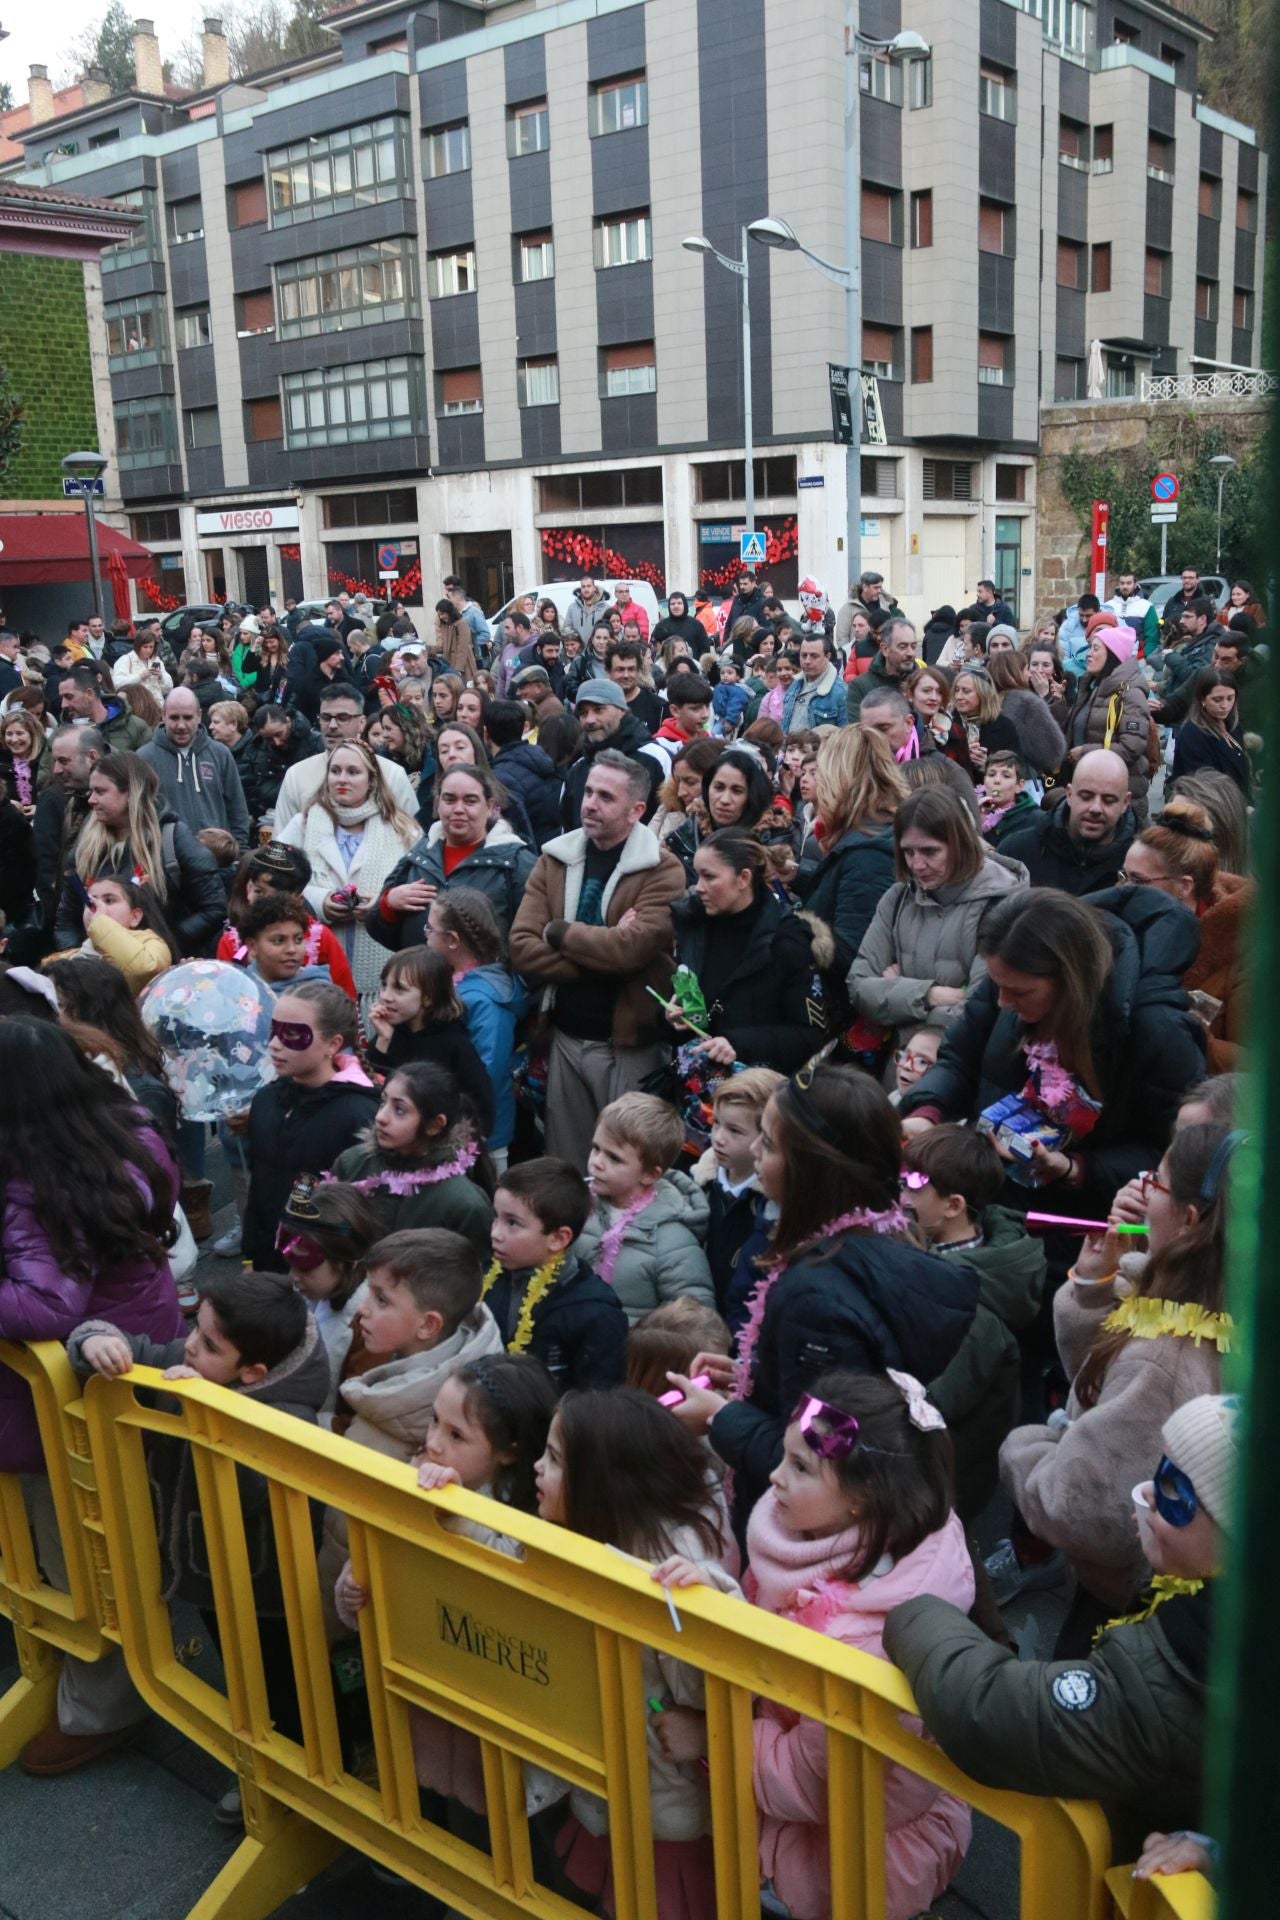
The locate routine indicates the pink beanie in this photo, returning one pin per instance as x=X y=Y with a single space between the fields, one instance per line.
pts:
x=1121 y=641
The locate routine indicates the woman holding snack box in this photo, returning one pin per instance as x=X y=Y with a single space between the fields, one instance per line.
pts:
x=1083 y=1020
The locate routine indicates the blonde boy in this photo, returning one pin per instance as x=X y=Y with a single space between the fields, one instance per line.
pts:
x=648 y=1221
x=727 y=1173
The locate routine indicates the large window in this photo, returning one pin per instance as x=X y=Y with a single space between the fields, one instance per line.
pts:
x=374 y=400
x=193 y=327
x=352 y=565
x=881 y=215
x=774 y=476
x=568 y=492
x=997 y=92
x=946 y=480
x=995 y=360
x=146 y=433
x=538 y=383
x=881 y=355
x=617 y=105
x=333 y=292
x=451 y=273
x=881 y=78
x=1122 y=376
x=534 y=257
x=338 y=172
x=186 y=221
x=447 y=150
x=627 y=370
x=135 y=332
x=255 y=312
x=165 y=523
x=200 y=426
x=380 y=507
x=460 y=390
x=528 y=128
x=144 y=242
x=920 y=82
x=623 y=240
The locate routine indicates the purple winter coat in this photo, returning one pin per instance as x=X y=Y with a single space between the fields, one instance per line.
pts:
x=38 y=1301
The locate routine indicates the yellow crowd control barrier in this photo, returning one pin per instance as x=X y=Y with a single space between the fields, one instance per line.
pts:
x=1180 y=1896
x=539 y=1657
x=46 y=1621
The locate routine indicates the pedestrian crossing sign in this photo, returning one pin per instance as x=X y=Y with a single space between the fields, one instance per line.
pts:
x=753 y=553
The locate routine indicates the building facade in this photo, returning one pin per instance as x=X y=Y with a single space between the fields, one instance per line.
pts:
x=427 y=290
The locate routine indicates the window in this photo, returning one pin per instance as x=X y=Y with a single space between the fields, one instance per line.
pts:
x=380 y=508
x=1172 y=56
x=144 y=242
x=1246 y=212
x=528 y=128
x=535 y=257
x=1124 y=35
x=879 y=478
x=264 y=420
x=461 y=390
x=1160 y=156
x=617 y=105
x=1156 y=275
x=135 y=332
x=922 y=218
x=1122 y=376
x=1067 y=23
x=995 y=227
x=1068 y=379
x=1100 y=268
x=249 y=204
x=1011 y=481
x=1242 y=309
x=1206 y=299
x=538 y=383
x=338 y=172
x=879 y=357
x=882 y=215
x=200 y=426
x=145 y=435
x=1210 y=200
x=947 y=480
x=390 y=43
x=255 y=312
x=1071 y=264
x=1104 y=149
x=334 y=292
x=164 y=524
x=994 y=358
x=1073 y=145
x=774 y=476
x=447 y=150
x=920 y=82
x=881 y=78
x=627 y=370
x=997 y=92
x=186 y=221
x=567 y=492
x=450 y=273
x=372 y=400
x=107 y=139
x=921 y=355
x=193 y=327
x=623 y=241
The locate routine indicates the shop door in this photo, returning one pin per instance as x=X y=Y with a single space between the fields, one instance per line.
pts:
x=1009 y=560
x=252 y=566
x=482 y=561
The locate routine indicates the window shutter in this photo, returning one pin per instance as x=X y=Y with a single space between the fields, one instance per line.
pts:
x=249 y=203
x=636 y=354
x=461 y=386
x=877 y=343
x=257 y=311
x=266 y=420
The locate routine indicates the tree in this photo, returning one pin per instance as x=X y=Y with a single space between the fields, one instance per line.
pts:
x=6 y=97
x=11 y=417
x=108 y=45
x=260 y=33
x=1124 y=481
x=306 y=33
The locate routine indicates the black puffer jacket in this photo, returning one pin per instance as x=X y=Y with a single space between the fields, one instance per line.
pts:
x=528 y=774
x=500 y=869
x=295 y=1130
x=862 y=1302
x=579 y=1328
x=263 y=766
x=633 y=740
x=1054 y=859
x=1147 y=1047
x=769 y=1004
x=847 y=886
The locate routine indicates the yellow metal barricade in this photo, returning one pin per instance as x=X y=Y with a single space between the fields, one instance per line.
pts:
x=539 y=1657
x=46 y=1621
x=1178 y=1896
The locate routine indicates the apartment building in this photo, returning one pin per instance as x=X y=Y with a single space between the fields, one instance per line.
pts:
x=427 y=291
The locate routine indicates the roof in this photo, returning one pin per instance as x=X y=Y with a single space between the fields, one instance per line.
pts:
x=18 y=120
x=57 y=198
x=44 y=549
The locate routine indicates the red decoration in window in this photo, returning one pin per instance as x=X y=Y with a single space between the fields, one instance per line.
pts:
x=782 y=542
x=154 y=592
x=586 y=555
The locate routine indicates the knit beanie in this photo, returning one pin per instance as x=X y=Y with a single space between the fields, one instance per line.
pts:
x=1103 y=618
x=1010 y=633
x=1201 y=1437
x=1121 y=641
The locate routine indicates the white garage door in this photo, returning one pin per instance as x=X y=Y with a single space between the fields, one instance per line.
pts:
x=943 y=568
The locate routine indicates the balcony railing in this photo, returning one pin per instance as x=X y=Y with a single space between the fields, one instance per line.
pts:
x=1239 y=385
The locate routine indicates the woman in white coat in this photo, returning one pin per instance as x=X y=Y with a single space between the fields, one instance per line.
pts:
x=353 y=834
x=143 y=667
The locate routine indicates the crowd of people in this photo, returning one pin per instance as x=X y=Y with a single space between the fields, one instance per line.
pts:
x=759 y=1093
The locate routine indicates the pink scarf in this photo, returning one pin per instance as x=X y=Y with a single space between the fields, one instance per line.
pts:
x=22 y=779
x=403 y=1183
x=788 y=1571
x=612 y=1238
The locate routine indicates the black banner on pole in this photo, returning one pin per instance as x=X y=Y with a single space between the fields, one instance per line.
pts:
x=843 y=424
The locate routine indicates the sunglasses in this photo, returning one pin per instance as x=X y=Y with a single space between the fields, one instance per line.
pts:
x=1149 y=1184
x=295 y=1035
x=1175 y=1495
x=299 y=1250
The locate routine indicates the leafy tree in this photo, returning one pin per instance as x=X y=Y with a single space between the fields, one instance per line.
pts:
x=11 y=417
x=1124 y=480
x=108 y=45
x=6 y=97
x=306 y=34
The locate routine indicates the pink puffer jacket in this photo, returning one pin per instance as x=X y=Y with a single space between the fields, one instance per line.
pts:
x=926 y=1831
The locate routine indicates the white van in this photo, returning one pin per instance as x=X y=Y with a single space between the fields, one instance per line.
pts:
x=562 y=592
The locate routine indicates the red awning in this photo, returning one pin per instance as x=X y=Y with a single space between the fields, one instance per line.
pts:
x=43 y=549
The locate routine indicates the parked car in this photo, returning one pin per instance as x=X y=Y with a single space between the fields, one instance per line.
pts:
x=1159 y=586
x=204 y=614
x=562 y=592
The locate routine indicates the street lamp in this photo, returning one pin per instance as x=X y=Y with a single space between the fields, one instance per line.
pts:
x=698 y=243
x=777 y=233
x=88 y=469
x=1222 y=461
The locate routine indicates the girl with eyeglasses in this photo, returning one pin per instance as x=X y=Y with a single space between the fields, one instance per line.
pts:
x=1139 y=1333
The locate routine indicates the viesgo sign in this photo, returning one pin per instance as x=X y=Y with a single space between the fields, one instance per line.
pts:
x=247 y=520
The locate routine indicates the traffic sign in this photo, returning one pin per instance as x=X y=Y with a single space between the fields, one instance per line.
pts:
x=76 y=489
x=388 y=574
x=1164 y=515
x=1164 y=487
x=388 y=558
x=752 y=546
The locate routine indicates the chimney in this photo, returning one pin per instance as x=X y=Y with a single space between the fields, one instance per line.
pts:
x=94 y=86
x=214 y=59
x=148 y=74
x=40 y=95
